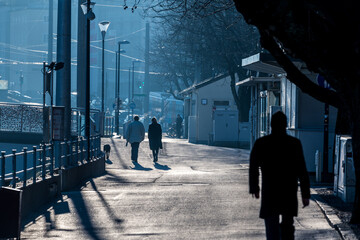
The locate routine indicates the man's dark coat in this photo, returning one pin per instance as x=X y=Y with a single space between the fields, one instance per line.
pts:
x=281 y=160
x=155 y=134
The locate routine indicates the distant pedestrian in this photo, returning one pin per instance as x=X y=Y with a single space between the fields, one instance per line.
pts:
x=135 y=134
x=155 y=135
x=281 y=160
x=179 y=121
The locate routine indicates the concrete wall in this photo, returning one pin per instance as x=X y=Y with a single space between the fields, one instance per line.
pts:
x=312 y=140
x=36 y=195
x=73 y=176
x=21 y=137
x=307 y=116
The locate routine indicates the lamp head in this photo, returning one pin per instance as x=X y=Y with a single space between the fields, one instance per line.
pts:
x=89 y=14
x=104 y=25
x=124 y=42
x=84 y=6
x=59 y=65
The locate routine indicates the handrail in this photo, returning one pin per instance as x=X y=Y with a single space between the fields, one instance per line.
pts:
x=46 y=159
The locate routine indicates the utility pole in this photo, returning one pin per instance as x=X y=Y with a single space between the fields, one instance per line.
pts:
x=63 y=76
x=147 y=79
x=51 y=30
x=129 y=96
x=81 y=58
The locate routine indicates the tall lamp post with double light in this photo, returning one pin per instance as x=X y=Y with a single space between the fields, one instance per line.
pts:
x=117 y=85
x=104 y=25
x=87 y=10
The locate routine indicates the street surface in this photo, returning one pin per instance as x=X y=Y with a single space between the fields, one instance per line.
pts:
x=194 y=192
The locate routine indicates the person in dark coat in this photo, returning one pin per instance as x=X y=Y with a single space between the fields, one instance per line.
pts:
x=281 y=160
x=155 y=135
x=179 y=121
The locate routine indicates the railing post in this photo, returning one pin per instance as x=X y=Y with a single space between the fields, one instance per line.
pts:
x=34 y=165
x=3 y=168
x=81 y=150
x=52 y=159
x=14 y=168
x=87 y=157
x=60 y=156
x=25 y=166
x=99 y=146
x=72 y=152
x=43 y=169
x=91 y=147
x=77 y=150
x=68 y=143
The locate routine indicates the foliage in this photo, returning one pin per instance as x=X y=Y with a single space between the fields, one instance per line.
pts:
x=197 y=40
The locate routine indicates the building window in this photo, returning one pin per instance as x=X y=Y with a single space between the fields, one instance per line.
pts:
x=221 y=103
x=204 y=101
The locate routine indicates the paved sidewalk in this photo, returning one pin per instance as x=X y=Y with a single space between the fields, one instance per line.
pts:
x=195 y=192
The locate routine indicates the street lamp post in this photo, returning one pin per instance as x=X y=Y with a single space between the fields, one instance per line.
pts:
x=129 y=93
x=117 y=85
x=103 y=28
x=132 y=85
x=87 y=10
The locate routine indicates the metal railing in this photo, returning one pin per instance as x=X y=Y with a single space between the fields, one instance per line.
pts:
x=109 y=126
x=19 y=169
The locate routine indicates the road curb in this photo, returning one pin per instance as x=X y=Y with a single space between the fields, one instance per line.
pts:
x=345 y=232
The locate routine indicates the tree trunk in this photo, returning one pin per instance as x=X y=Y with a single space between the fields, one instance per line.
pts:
x=234 y=93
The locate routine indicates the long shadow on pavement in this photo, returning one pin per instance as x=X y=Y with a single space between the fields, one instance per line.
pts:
x=110 y=211
x=83 y=213
x=59 y=206
x=118 y=156
x=161 y=167
x=137 y=166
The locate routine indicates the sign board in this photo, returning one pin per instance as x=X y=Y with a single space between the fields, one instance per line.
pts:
x=58 y=123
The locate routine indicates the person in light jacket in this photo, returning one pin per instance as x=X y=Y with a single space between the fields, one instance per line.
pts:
x=155 y=135
x=135 y=134
x=281 y=160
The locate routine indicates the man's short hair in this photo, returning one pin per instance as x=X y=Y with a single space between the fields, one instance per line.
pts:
x=278 y=121
x=136 y=118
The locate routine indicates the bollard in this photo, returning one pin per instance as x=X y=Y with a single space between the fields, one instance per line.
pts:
x=3 y=168
x=43 y=169
x=25 y=166
x=318 y=165
x=34 y=164
x=14 y=168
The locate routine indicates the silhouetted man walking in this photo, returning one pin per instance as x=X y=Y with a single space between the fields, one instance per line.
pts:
x=135 y=134
x=281 y=160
